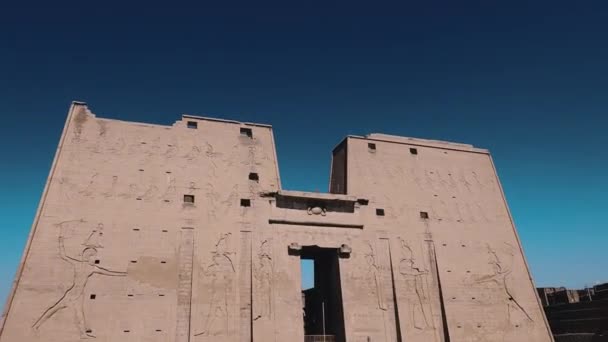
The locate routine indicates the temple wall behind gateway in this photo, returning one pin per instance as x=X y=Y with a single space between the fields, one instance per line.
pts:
x=117 y=253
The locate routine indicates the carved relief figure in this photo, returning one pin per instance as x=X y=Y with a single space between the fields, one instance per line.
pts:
x=467 y=181
x=414 y=276
x=440 y=210
x=210 y=152
x=72 y=299
x=250 y=160
x=149 y=193
x=220 y=272
x=90 y=188
x=170 y=151
x=193 y=154
x=501 y=276
x=66 y=188
x=374 y=270
x=171 y=189
x=112 y=189
x=432 y=181
x=114 y=145
x=263 y=277
x=94 y=239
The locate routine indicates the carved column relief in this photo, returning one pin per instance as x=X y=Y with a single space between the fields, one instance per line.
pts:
x=262 y=288
x=433 y=288
x=184 y=289
x=385 y=287
x=245 y=291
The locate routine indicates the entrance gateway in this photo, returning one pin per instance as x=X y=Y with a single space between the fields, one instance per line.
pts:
x=183 y=233
x=322 y=304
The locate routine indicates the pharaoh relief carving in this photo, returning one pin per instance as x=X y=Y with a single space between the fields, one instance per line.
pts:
x=170 y=151
x=220 y=207
x=114 y=145
x=111 y=189
x=413 y=275
x=219 y=272
x=501 y=261
x=263 y=276
x=171 y=189
x=67 y=189
x=90 y=188
x=193 y=154
x=108 y=186
x=374 y=272
x=84 y=266
x=256 y=155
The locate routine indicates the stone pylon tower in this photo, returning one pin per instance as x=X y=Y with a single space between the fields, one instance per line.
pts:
x=183 y=233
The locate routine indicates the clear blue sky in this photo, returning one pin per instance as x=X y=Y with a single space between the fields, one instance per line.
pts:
x=526 y=79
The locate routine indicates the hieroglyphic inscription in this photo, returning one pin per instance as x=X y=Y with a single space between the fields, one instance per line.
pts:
x=245 y=291
x=184 y=286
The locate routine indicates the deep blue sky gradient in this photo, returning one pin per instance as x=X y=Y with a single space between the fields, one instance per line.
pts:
x=527 y=80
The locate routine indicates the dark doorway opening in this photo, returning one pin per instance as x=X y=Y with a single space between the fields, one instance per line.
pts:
x=323 y=311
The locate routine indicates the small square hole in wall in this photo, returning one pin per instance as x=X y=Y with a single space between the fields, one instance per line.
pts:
x=192 y=124
x=93 y=296
x=246 y=132
x=371 y=147
x=89 y=331
x=254 y=177
x=424 y=215
x=96 y=261
x=380 y=212
x=189 y=199
x=245 y=202
x=413 y=150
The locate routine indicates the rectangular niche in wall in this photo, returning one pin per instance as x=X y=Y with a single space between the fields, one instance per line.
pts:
x=246 y=132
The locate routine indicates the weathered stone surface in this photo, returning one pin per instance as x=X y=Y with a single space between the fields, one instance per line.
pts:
x=183 y=233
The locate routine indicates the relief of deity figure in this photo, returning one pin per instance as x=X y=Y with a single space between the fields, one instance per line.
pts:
x=414 y=276
x=220 y=272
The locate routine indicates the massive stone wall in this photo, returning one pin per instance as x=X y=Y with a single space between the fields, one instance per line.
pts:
x=118 y=253
x=443 y=203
